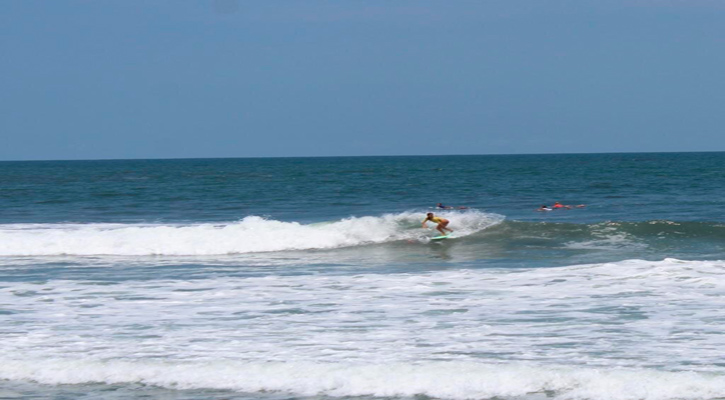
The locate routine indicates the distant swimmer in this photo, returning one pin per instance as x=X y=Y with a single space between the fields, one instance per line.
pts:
x=442 y=223
x=442 y=207
x=568 y=207
x=558 y=206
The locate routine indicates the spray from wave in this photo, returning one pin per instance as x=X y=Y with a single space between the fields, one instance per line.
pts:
x=251 y=235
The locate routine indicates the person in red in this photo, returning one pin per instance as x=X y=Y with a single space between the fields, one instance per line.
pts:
x=564 y=206
x=559 y=205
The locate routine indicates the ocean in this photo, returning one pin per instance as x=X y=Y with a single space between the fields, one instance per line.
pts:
x=313 y=279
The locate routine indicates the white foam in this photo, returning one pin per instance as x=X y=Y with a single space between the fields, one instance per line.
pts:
x=250 y=235
x=609 y=237
x=624 y=330
x=445 y=380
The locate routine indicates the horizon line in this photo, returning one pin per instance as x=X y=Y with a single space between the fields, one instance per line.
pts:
x=357 y=156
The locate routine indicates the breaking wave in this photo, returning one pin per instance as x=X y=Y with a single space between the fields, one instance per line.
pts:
x=444 y=380
x=251 y=235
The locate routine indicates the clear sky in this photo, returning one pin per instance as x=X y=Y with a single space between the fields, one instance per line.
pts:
x=240 y=78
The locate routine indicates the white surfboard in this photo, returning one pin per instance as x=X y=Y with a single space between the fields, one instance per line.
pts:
x=448 y=236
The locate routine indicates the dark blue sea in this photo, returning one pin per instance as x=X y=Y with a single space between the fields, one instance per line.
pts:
x=313 y=278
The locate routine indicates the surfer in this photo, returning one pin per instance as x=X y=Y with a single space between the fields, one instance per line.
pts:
x=441 y=206
x=442 y=223
x=568 y=207
x=544 y=208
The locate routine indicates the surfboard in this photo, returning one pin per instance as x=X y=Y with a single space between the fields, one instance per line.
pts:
x=448 y=236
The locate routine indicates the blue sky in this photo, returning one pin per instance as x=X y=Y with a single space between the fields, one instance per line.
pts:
x=231 y=78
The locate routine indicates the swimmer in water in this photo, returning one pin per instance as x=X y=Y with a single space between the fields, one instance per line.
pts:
x=442 y=207
x=442 y=223
x=568 y=207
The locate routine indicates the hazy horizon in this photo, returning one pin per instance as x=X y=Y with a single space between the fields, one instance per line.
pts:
x=363 y=156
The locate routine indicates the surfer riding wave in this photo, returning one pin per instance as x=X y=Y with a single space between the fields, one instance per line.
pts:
x=442 y=223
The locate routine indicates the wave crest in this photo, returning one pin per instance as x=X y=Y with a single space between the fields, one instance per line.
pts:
x=250 y=235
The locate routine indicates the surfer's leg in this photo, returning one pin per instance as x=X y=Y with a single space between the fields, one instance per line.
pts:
x=443 y=226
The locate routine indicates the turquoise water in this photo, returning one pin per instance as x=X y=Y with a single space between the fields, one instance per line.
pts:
x=628 y=187
x=308 y=277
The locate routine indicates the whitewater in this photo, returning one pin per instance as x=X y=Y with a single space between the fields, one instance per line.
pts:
x=251 y=234
x=595 y=331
